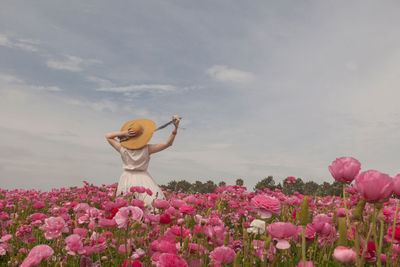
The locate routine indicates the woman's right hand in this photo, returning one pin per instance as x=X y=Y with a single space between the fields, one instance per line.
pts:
x=177 y=120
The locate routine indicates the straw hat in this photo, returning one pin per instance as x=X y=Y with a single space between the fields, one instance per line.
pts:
x=143 y=129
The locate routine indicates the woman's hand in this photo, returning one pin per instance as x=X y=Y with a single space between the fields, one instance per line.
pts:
x=177 y=120
x=128 y=133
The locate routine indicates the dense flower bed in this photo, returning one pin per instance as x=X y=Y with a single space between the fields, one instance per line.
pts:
x=90 y=226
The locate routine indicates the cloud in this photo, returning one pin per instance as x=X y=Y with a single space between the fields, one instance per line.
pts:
x=29 y=45
x=140 y=87
x=10 y=84
x=72 y=63
x=99 y=106
x=224 y=74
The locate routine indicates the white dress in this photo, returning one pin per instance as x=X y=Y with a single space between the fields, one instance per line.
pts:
x=135 y=163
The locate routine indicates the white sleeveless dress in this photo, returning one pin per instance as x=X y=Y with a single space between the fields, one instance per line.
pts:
x=135 y=163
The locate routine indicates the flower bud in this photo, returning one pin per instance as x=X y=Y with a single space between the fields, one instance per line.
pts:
x=304 y=212
x=342 y=241
x=357 y=213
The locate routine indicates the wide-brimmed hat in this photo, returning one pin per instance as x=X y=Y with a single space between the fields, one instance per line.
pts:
x=143 y=128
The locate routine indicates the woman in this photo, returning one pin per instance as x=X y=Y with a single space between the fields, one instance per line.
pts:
x=135 y=153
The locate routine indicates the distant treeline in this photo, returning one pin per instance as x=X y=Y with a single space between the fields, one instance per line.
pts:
x=288 y=187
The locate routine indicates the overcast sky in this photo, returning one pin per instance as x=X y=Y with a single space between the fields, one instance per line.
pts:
x=276 y=88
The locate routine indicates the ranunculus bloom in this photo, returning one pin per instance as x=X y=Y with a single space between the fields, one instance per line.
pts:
x=165 y=218
x=280 y=231
x=36 y=255
x=257 y=227
x=266 y=206
x=107 y=223
x=74 y=244
x=322 y=224
x=344 y=255
x=374 y=186
x=127 y=215
x=345 y=169
x=54 y=226
x=396 y=185
x=160 y=204
x=171 y=260
x=222 y=255
x=308 y=264
x=186 y=209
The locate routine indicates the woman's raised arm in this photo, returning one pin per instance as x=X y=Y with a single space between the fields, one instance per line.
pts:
x=114 y=143
x=154 y=148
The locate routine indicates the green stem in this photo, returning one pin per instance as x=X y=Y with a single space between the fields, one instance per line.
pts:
x=394 y=228
x=361 y=262
x=356 y=243
x=345 y=207
x=303 y=245
x=378 y=254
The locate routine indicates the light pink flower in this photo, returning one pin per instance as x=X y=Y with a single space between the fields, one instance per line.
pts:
x=266 y=206
x=5 y=238
x=280 y=231
x=374 y=186
x=344 y=255
x=171 y=260
x=308 y=264
x=345 y=169
x=54 y=226
x=74 y=244
x=36 y=255
x=127 y=215
x=222 y=255
x=322 y=224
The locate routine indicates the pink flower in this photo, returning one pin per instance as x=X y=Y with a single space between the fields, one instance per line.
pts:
x=107 y=223
x=322 y=224
x=171 y=260
x=54 y=226
x=160 y=204
x=74 y=244
x=186 y=209
x=222 y=255
x=38 y=205
x=266 y=206
x=290 y=179
x=5 y=238
x=308 y=264
x=127 y=215
x=345 y=169
x=36 y=255
x=280 y=231
x=131 y=263
x=396 y=185
x=374 y=186
x=344 y=255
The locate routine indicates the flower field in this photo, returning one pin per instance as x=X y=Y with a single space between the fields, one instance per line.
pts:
x=91 y=226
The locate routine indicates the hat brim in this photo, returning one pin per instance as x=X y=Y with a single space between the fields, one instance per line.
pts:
x=137 y=142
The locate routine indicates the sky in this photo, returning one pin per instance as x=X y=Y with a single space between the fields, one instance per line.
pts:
x=277 y=88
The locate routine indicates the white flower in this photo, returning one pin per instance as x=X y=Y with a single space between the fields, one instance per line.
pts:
x=257 y=227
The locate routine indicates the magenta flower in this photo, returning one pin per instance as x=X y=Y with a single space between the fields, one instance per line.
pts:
x=322 y=224
x=222 y=255
x=374 y=186
x=74 y=244
x=171 y=260
x=186 y=209
x=344 y=255
x=290 y=180
x=345 y=169
x=266 y=206
x=127 y=215
x=281 y=231
x=36 y=255
x=54 y=226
